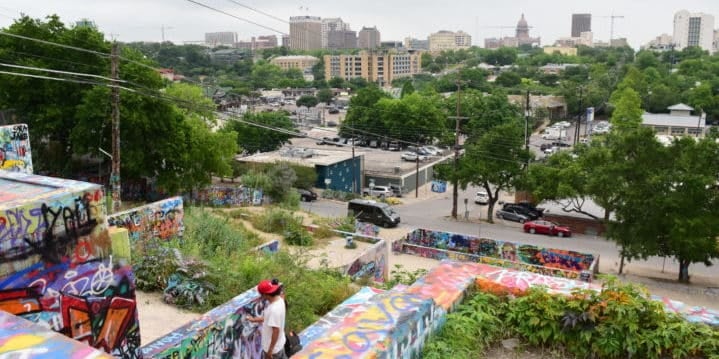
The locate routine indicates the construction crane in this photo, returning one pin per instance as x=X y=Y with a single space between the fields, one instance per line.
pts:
x=611 y=28
x=163 y=28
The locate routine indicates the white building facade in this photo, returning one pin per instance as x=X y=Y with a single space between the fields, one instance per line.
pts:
x=693 y=29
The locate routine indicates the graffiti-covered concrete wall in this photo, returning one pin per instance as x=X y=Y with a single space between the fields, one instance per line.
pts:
x=223 y=332
x=15 y=154
x=549 y=261
x=373 y=263
x=227 y=196
x=56 y=263
x=161 y=220
x=20 y=338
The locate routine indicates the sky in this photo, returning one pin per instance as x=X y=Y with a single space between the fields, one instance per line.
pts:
x=142 y=20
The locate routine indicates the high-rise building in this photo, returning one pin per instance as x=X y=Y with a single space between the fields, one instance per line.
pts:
x=332 y=25
x=581 y=23
x=381 y=68
x=341 y=39
x=225 y=38
x=369 y=38
x=305 y=33
x=716 y=41
x=693 y=29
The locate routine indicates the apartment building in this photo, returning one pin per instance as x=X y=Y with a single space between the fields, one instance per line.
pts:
x=225 y=38
x=448 y=40
x=381 y=68
x=369 y=38
x=295 y=62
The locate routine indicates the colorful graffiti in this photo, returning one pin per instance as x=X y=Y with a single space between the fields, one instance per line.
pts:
x=20 y=338
x=366 y=229
x=227 y=196
x=392 y=325
x=269 y=247
x=446 y=245
x=338 y=314
x=690 y=313
x=56 y=265
x=371 y=263
x=161 y=220
x=520 y=281
x=15 y=154
x=223 y=332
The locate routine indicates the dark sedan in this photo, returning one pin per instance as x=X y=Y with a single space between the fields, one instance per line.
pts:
x=307 y=195
x=511 y=215
x=547 y=227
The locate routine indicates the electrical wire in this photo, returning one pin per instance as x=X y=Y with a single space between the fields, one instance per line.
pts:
x=236 y=17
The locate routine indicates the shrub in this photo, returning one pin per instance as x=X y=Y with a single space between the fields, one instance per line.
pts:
x=346 y=224
x=275 y=221
x=298 y=236
x=323 y=231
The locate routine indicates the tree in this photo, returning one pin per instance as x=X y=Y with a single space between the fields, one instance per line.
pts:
x=508 y=79
x=324 y=95
x=407 y=89
x=362 y=114
x=337 y=82
x=307 y=101
x=627 y=108
x=502 y=56
x=252 y=138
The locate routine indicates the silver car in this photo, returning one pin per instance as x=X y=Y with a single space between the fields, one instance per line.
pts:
x=511 y=215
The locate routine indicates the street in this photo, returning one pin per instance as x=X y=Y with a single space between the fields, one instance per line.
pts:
x=434 y=213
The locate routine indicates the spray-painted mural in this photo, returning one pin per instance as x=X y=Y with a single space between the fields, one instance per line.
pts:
x=690 y=313
x=15 y=154
x=366 y=229
x=338 y=314
x=20 y=338
x=269 y=247
x=371 y=263
x=228 y=196
x=56 y=264
x=446 y=245
x=393 y=325
x=223 y=332
x=161 y=220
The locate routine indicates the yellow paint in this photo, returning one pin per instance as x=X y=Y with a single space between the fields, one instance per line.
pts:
x=12 y=164
x=22 y=341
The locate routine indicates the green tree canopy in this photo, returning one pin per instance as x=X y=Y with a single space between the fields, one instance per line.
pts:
x=252 y=138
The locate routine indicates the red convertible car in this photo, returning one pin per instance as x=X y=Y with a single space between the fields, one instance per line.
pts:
x=547 y=227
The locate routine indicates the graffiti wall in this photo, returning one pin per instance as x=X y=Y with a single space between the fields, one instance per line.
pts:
x=371 y=263
x=20 y=338
x=550 y=261
x=392 y=325
x=269 y=247
x=56 y=263
x=492 y=279
x=690 y=313
x=321 y=327
x=228 y=196
x=15 y=154
x=366 y=229
x=223 y=332
x=161 y=220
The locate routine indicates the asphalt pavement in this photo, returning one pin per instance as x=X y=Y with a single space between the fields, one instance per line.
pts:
x=432 y=211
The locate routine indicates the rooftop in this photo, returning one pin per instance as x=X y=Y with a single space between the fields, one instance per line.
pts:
x=665 y=119
x=18 y=188
x=301 y=156
x=680 y=107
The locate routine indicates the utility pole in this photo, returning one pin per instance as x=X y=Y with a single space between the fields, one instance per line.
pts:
x=455 y=181
x=579 y=116
x=115 y=103
x=416 y=176
x=354 y=164
x=526 y=130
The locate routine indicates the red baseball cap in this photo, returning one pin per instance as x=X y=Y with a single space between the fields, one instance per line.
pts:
x=268 y=286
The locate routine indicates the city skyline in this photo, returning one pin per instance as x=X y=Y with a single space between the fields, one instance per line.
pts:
x=185 y=21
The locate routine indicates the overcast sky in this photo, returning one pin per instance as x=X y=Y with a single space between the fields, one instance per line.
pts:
x=142 y=20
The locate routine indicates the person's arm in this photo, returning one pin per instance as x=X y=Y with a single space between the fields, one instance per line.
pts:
x=255 y=319
x=273 y=341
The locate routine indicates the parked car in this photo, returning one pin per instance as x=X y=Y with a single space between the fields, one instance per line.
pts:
x=331 y=124
x=307 y=195
x=412 y=157
x=393 y=146
x=481 y=198
x=396 y=189
x=531 y=214
x=563 y=124
x=547 y=227
x=561 y=144
x=378 y=191
x=511 y=215
x=436 y=150
x=551 y=150
x=377 y=213
x=324 y=141
x=374 y=143
x=333 y=110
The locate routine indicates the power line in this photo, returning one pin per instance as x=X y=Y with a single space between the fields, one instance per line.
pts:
x=236 y=17
x=258 y=11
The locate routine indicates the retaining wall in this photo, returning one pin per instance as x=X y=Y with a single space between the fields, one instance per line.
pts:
x=223 y=332
x=20 y=338
x=15 y=154
x=160 y=220
x=56 y=262
x=549 y=261
x=373 y=262
x=223 y=196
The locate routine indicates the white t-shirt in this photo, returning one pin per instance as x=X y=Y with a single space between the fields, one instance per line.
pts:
x=273 y=316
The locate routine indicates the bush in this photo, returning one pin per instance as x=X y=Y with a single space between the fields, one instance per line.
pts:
x=298 y=236
x=275 y=221
x=323 y=231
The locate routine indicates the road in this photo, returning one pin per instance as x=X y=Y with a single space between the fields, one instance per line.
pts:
x=434 y=213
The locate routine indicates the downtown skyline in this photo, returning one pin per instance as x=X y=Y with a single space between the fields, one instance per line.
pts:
x=135 y=20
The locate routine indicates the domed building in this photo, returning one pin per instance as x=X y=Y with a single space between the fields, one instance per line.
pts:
x=521 y=37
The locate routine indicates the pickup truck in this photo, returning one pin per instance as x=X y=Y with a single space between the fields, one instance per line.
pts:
x=378 y=191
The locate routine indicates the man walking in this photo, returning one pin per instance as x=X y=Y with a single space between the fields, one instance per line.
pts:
x=272 y=319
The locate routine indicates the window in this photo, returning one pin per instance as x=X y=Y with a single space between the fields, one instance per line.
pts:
x=694 y=131
x=678 y=131
x=661 y=129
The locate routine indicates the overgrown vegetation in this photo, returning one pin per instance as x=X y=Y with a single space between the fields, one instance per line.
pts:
x=618 y=322
x=216 y=260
